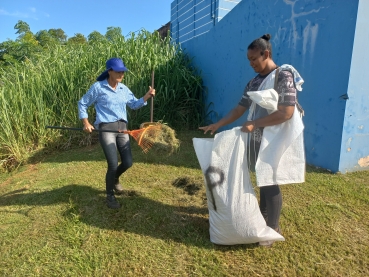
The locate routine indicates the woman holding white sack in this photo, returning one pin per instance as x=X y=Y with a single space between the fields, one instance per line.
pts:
x=276 y=128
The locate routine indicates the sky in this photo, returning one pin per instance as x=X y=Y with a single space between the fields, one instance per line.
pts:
x=83 y=16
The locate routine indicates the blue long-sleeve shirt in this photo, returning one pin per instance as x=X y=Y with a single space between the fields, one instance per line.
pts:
x=110 y=105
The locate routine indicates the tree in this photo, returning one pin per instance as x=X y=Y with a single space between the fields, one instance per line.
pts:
x=51 y=37
x=58 y=34
x=113 y=33
x=77 y=39
x=7 y=52
x=29 y=38
x=45 y=39
x=95 y=37
x=19 y=50
x=22 y=28
x=26 y=44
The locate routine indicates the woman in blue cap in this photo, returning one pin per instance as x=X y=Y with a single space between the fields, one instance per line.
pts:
x=111 y=98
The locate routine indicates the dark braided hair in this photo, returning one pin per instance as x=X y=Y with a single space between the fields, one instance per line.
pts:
x=262 y=44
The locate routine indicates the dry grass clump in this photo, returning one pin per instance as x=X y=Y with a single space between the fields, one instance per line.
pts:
x=164 y=142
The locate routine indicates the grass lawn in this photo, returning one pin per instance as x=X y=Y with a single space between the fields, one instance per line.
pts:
x=54 y=221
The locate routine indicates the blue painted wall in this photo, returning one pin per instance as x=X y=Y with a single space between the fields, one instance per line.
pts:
x=317 y=38
x=192 y=18
x=355 y=135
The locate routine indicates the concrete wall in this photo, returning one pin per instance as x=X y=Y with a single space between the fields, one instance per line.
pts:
x=318 y=38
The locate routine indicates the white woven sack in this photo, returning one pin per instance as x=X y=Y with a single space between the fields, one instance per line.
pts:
x=234 y=213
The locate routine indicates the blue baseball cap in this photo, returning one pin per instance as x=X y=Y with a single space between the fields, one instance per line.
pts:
x=115 y=64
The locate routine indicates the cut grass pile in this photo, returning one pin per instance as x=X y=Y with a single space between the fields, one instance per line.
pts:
x=54 y=221
x=164 y=142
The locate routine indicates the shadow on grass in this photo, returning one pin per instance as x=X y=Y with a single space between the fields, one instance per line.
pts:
x=138 y=214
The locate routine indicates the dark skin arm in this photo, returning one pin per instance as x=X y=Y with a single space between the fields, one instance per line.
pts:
x=233 y=115
x=283 y=114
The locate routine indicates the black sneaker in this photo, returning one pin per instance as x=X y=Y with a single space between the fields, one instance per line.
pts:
x=112 y=202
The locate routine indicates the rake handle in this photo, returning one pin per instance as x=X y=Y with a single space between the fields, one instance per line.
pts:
x=152 y=99
x=81 y=129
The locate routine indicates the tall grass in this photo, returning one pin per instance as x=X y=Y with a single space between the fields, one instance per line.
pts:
x=45 y=90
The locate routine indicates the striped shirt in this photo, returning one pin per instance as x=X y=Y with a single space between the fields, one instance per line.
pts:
x=110 y=105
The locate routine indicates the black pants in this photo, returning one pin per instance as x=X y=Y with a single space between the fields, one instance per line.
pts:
x=271 y=205
x=111 y=143
x=270 y=196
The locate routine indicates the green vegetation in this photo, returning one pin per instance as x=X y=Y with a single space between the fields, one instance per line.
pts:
x=54 y=221
x=43 y=76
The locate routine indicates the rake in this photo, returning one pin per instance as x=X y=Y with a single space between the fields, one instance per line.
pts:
x=143 y=137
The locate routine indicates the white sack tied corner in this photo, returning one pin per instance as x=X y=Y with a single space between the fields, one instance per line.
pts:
x=234 y=213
